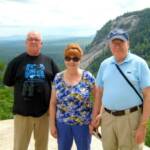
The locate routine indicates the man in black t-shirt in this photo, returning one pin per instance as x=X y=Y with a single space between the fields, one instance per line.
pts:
x=31 y=74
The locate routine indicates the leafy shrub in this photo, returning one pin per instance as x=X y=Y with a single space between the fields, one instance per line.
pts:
x=5 y=103
x=147 y=140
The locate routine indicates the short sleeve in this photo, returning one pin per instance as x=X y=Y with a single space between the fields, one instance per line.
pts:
x=144 y=75
x=91 y=79
x=99 y=81
x=10 y=73
x=57 y=81
x=55 y=69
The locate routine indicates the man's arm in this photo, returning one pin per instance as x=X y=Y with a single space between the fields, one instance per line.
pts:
x=146 y=106
x=141 y=131
x=52 y=114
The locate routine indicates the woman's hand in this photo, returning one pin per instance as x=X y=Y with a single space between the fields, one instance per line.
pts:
x=53 y=131
x=91 y=128
x=96 y=122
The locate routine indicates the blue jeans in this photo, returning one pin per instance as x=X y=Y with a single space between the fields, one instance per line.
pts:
x=66 y=134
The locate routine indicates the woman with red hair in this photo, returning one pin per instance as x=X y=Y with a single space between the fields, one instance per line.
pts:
x=70 y=105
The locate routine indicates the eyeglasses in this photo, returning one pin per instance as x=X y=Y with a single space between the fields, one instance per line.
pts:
x=75 y=59
x=33 y=39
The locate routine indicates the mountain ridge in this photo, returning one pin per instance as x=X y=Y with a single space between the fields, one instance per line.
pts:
x=138 y=26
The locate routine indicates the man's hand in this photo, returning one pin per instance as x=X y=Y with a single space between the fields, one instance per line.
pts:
x=95 y=123
x=140 y=134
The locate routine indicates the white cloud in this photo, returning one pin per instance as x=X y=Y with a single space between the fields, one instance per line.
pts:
x=53 y=14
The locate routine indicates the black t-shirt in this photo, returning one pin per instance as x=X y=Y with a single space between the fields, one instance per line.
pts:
x=31 y=77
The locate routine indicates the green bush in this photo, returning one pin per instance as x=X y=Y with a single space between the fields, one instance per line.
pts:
x=6 y=98
x=147 y=140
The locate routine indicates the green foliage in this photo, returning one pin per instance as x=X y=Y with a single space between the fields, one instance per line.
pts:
x=147 y=140
x=93 y=67
x=6 y=98
x=139 y=37
x=2 y=66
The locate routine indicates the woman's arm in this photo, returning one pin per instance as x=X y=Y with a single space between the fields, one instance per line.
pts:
x=98 y=92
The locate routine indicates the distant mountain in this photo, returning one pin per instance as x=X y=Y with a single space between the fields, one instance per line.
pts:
x=53 y=47
x=11 y=38
x=45 y=37
x=136 y=23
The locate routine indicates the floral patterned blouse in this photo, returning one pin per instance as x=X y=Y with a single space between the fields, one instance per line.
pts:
x=74 y=106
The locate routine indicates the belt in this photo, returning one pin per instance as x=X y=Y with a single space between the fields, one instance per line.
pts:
x=123 y=112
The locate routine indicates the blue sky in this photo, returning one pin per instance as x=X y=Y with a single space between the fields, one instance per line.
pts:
x=62 y=17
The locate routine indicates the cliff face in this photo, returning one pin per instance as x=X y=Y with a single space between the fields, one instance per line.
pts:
x=138 y=26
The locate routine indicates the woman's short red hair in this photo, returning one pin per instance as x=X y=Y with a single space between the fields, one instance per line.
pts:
x=73 y=49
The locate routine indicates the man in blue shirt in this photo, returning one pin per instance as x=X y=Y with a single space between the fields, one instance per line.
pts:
x=124 y=114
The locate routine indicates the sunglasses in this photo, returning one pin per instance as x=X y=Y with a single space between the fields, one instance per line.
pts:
x=75 y=59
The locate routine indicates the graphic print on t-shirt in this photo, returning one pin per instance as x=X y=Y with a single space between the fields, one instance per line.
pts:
x=34 y=71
